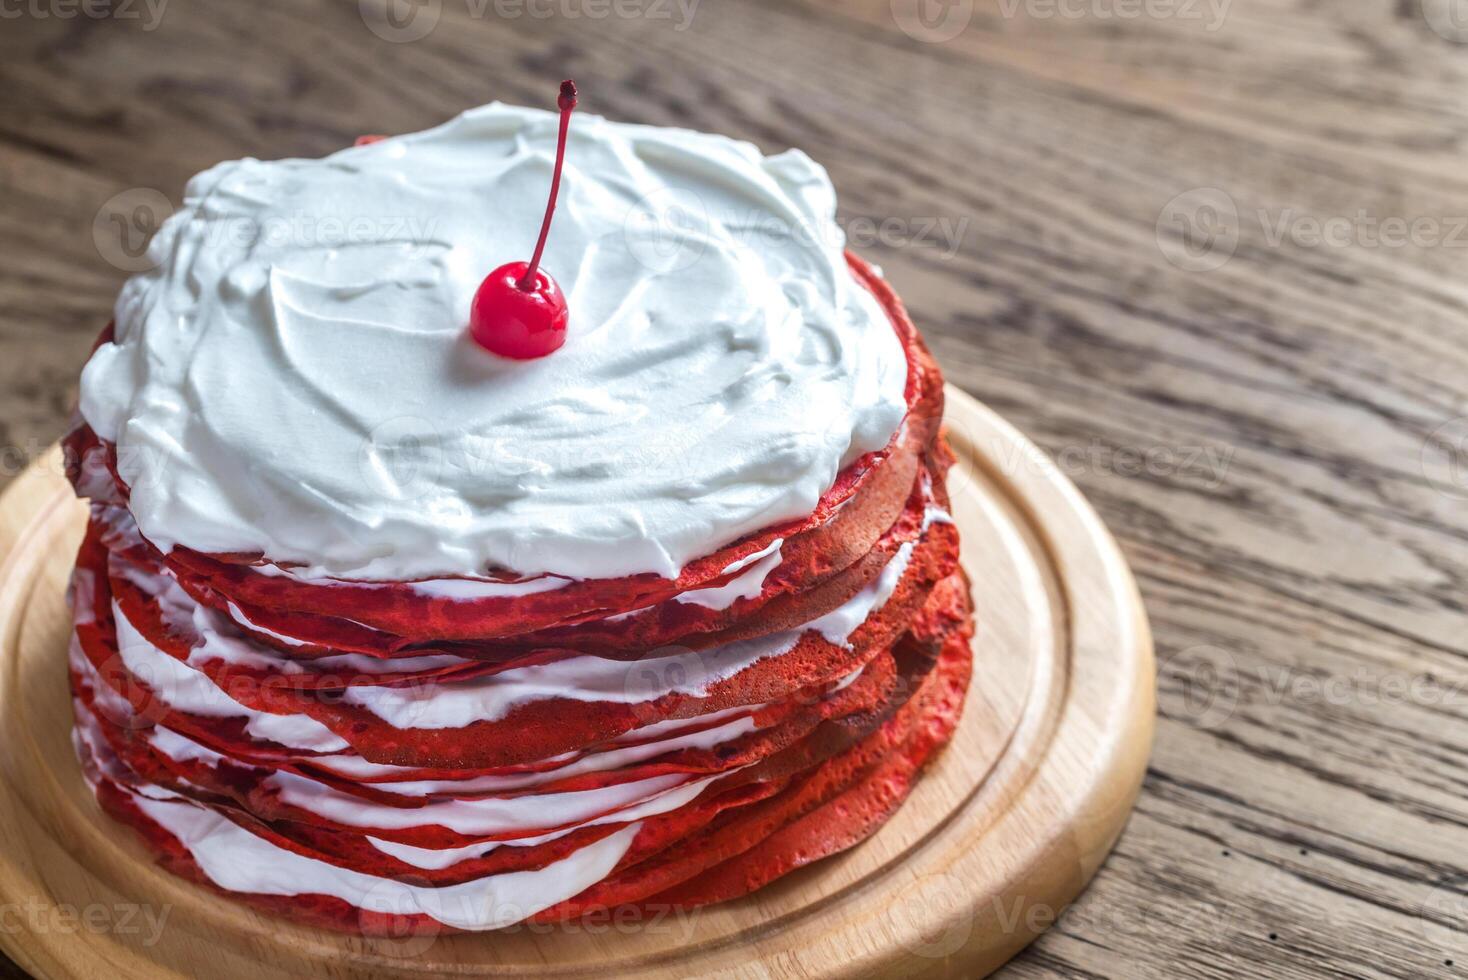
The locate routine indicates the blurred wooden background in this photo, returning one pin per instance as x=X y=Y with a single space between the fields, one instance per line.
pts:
x=1210 y=254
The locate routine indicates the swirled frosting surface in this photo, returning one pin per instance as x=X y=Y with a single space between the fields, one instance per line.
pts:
x=294 y=376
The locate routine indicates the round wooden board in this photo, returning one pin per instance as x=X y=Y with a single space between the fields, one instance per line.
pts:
x=1002 y=833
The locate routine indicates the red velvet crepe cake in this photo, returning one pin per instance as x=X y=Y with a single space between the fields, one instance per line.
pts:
x=376 y=628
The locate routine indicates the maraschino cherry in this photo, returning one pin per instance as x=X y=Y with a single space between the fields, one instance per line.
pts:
x=519 y=311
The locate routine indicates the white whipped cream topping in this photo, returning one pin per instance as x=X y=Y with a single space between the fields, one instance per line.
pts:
x=294 y=376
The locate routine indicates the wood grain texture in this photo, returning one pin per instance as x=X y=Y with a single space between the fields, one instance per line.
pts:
x=1003 y=830
x=1259 y=435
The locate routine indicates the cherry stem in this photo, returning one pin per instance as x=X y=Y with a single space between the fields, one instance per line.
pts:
x=566 y=102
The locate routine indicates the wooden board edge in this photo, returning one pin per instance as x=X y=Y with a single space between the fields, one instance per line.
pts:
x=1096 y=818
x=971 y=941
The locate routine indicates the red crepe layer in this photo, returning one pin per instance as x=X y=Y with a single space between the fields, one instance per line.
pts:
x=819 y=564
x=346 y=846
x=773 y=610
x=811 y=805
x=536 y=729
x=250 y=787
x=851 y=815
x=727 y=844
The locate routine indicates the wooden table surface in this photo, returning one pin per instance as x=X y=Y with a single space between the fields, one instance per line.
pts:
x=1211 y=255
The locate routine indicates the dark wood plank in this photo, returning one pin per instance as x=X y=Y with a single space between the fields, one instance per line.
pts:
x=1259 y=431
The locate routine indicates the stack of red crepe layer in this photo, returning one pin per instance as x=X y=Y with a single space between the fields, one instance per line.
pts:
x=464 y=754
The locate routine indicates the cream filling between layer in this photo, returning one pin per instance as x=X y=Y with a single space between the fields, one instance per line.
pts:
x=442 y=705
x=238 y=861
x=491 y=816
x=458 y=704
x=746 y=586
